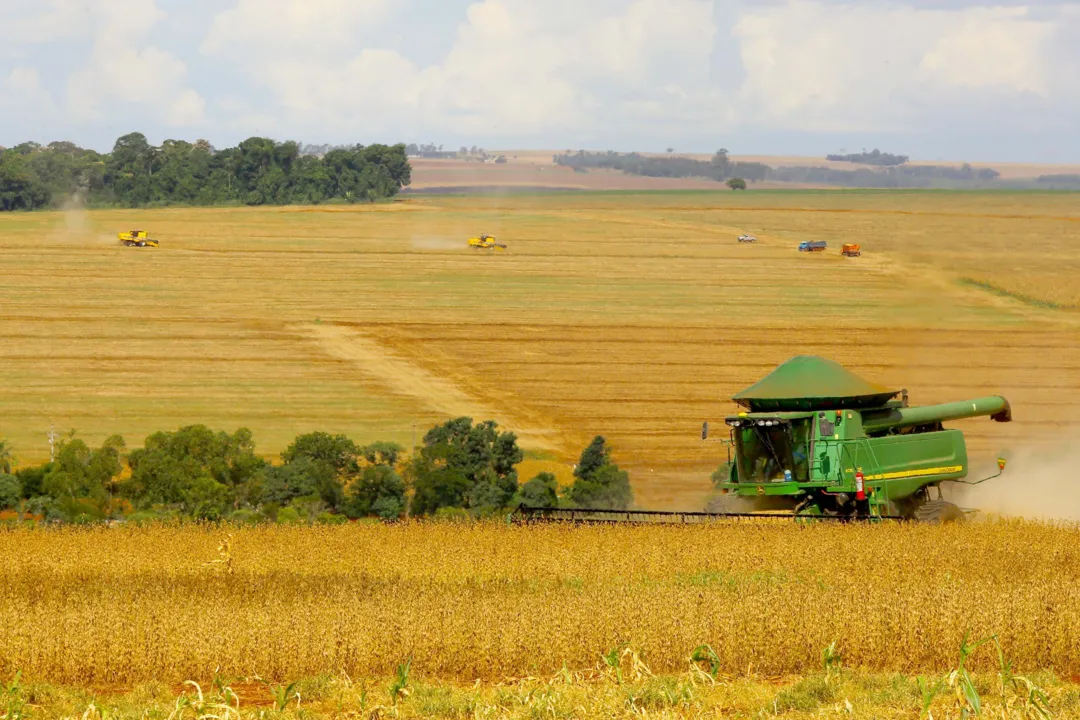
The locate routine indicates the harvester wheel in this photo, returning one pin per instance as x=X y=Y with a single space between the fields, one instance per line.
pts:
x=938 y=511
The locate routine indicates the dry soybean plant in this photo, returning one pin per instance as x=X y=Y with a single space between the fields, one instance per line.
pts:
x=490 y=601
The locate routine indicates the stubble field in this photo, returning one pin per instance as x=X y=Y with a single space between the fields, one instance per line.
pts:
x=635 y=316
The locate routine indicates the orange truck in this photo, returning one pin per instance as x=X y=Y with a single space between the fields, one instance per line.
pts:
x=851 y=250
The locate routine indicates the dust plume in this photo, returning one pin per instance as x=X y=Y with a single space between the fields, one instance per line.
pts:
x=77 y=227
x=76 y=219
x=1039 y=483
x=436 y=242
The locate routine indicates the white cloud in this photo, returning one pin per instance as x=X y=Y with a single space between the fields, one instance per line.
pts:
x=22 y=95
x=877 y=66
x=124 y=71
x=1000 y=48
x=41 y=21
x=284 y=26
x=583 y=73
x=516 y=67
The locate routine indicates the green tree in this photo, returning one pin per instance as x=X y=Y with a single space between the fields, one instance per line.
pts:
x=7 y=460
x=456 y=457
x=194 y=468
x=31 y=478
x=80 y=473
x=736 y=183
x=19 y=188
x=10 y=491
x=335 y=458
x=337 y=452
x=259 y=171
x=128 y=169
x=598 y=482
x=378 y=491
x=382 y=453
x=720 y=164
x=540 y=492
x=593 y=457
x=300 y=478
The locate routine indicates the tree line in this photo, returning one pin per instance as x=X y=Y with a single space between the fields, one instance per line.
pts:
x=720 y=167
x=1059 y=182
x=429 y=151
x=462 y=469
x=735 y=174
x=903 y=176
x=259 y=171
x=874 y=157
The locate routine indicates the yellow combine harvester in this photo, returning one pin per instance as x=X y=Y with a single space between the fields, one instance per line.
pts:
x=486 y=242
x=137 y=238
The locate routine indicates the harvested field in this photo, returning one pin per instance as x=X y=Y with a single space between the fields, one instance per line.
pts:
x=630 y=315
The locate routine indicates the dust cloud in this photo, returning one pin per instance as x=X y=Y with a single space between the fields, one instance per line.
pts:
x=76 y=219
x=436 y=242
x=77 y=227
x=1038 y=484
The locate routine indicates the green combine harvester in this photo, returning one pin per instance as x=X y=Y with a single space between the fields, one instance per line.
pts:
x=818 y=442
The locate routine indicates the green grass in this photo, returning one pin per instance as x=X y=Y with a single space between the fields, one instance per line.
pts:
x=597 y=694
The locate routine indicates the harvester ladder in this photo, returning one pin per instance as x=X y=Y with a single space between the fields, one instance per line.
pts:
x=876 y=465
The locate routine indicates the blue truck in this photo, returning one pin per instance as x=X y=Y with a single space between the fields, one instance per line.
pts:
x=812 y=246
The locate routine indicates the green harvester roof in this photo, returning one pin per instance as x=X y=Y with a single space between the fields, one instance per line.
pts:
x=807 y=382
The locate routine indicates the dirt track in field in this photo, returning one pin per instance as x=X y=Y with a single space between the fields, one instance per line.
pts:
x=437 y=393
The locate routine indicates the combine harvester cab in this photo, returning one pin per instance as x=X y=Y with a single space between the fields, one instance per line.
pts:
x=817 y=440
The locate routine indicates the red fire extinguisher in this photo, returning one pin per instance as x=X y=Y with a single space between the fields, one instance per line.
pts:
x=860 y=485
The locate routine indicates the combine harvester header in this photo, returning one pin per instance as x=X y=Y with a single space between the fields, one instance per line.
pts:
x=816 y=441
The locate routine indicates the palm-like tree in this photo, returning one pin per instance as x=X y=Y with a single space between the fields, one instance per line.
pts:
x=7 y=460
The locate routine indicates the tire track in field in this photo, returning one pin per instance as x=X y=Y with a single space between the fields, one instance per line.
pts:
x=404 y=378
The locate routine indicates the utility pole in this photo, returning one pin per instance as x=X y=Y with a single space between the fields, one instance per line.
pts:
x=52 y=442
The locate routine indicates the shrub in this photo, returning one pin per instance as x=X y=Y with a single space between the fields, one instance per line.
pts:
x=326 y=518
x=245 y=517
x=599 y=483
x=378 y=491
x=540 y=492
x=10 y=491
x=388 y=508
x=288 y=516
x=452 y=514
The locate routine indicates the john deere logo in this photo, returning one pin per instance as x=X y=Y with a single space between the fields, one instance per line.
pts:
x=760 y=489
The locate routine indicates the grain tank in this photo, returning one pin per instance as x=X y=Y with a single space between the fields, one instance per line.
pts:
x=818 y=440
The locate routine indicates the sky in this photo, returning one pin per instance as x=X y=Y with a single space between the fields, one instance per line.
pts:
x=934 y=79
